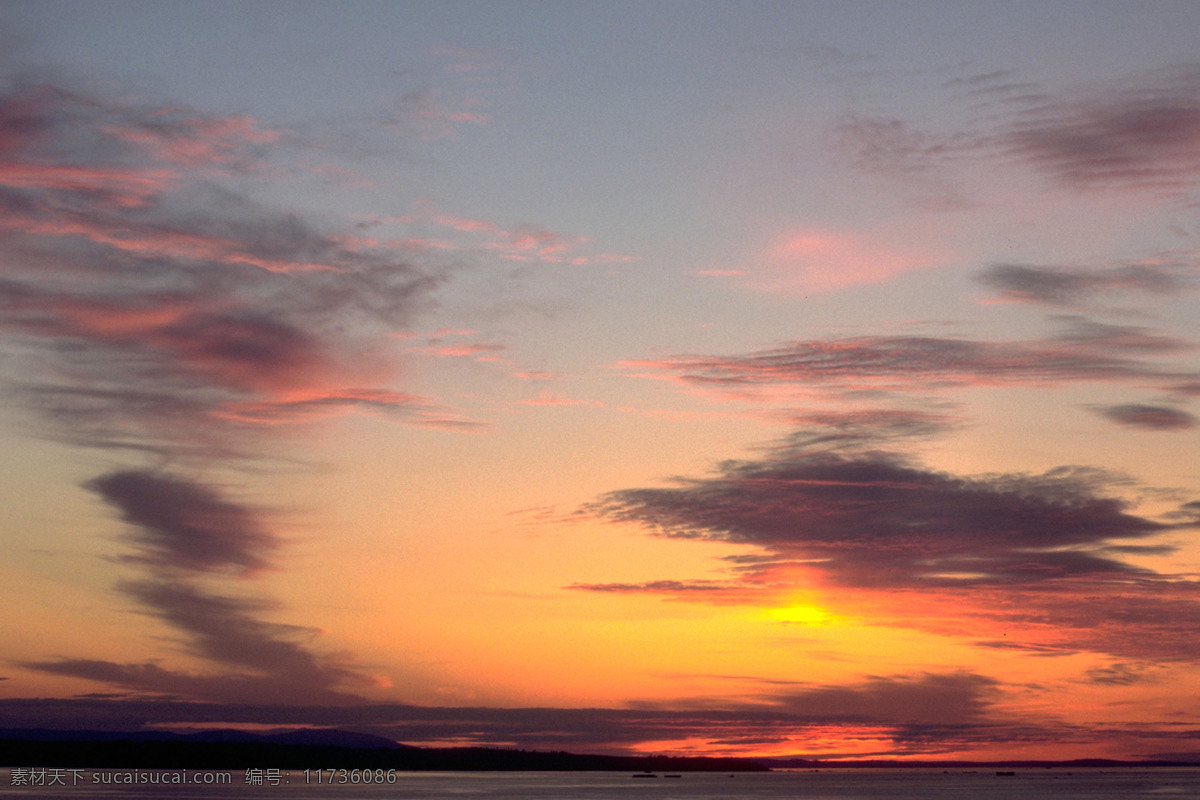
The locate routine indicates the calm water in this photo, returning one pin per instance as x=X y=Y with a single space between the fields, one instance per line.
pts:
x=914 y=784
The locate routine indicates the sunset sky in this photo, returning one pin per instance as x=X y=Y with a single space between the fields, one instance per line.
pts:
x=694 y=378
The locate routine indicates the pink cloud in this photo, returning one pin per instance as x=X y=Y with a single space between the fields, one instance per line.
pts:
x=313 y=402
x=536 y=375
x=194 y=140
x=466 y=224
x=463 y=350
x=154 y=240
x=124 y=187
x=813 y=260
x=522 y=242
x=548 y=398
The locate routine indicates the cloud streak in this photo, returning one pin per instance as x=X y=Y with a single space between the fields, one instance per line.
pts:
x=185 y=535
x=1149 y=417
x=1069 y=287
x=1136 y=135
x=1141 y=136
x=1085 y=352
x=875 y=519
x=183 y=525
x=256 y=660
x=907 y=714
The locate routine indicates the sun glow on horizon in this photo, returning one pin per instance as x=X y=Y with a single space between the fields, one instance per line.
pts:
x=803 y=611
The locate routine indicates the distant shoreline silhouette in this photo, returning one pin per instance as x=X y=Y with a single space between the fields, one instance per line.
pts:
x=333 y=749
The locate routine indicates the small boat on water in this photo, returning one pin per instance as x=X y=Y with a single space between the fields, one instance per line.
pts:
x=646 y=774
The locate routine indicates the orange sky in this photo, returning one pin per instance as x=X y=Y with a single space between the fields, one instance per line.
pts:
x=815 y=381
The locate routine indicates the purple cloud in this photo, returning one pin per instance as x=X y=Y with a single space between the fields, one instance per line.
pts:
x=255 y=660
x=1142 y=136
x=1149 y=417
x=874 y=519
x=185 y=532
x=1067 y=287
x=891 y=708
x=1086 y=351
x=185 y=525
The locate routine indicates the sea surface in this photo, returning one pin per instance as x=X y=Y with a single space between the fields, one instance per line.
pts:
x=843 y=784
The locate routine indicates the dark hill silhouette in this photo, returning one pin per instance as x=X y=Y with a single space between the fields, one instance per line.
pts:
x=310 y=749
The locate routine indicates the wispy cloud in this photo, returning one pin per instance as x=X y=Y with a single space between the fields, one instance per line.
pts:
x=548 y=398
x=1084 y=351
x=893 y=712
x=142 y=292
x=1149 y=417
x=185 y=534
x=1061 y=286
x=919 y=161
x=815 y=260
x=1143 y=135
x=451 y=90
x=427 y=229
x=183 y=525
x=876 y=519
x=1138 y=134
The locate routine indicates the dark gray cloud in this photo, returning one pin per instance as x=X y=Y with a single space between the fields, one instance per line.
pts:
x=875 y=519
x=1086 y=351
x=184 y=533
x=1068 y=287
x=255 y=660
x=1145 y=134
x=955 y=698
x=228 y=630
x=1041 y=650
x=1149 y=417
x=1142 y=133
x=1119 y=674
x=1083 y=334
x=185 y=525
x=896 y=707
x=226 y=687
x=664 y=587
